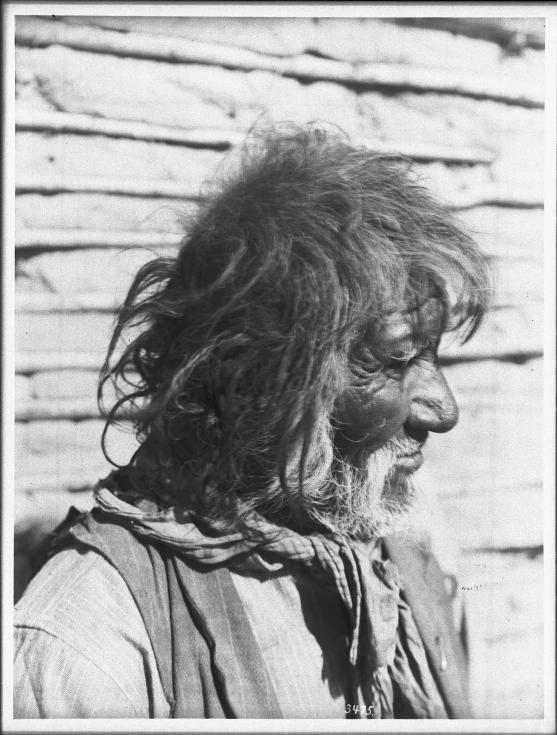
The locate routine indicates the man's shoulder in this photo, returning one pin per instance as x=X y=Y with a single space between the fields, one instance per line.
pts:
x=80 y=599
x=75 y=586
x=79 y=616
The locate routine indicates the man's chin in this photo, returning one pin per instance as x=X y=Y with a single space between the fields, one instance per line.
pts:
x=395 y=513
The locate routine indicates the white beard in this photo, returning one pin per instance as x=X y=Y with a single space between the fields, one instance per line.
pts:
x=377 y=498
x=366 y=496
x=362 y=497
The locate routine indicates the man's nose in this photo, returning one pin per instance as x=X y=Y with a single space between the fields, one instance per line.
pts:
x=433 y=407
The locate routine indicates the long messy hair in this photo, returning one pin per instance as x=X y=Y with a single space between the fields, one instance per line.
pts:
x=241 y=344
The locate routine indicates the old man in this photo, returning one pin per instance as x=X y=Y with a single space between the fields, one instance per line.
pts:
x=282 y=375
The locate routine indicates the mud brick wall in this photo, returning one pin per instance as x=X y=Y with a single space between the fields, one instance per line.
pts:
x=119 y=121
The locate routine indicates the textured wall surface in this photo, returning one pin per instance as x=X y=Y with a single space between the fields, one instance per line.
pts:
x=119 y=121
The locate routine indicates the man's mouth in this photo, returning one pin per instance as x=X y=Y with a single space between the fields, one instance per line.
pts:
x=410 y=462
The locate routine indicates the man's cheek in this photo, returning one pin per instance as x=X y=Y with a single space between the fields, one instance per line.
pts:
x=370 y=420
x=384 y=427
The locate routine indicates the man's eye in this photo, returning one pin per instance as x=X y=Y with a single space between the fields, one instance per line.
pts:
x=402 y=358
x=406 y=352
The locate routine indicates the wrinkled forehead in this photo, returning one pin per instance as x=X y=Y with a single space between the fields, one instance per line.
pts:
x=400 y=323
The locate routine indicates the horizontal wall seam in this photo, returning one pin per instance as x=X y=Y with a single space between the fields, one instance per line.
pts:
x=523 y=197
x=62 y=122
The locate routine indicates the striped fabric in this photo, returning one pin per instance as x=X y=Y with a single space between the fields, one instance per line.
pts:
x=82 y=651
x=367 y=584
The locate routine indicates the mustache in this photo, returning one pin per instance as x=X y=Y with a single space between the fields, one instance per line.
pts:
x=398 y=446
x=405 y=446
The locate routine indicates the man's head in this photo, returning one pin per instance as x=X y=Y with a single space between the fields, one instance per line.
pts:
x=287 y=358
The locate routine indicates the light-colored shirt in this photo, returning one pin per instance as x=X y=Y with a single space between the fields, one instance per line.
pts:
x=82 y=650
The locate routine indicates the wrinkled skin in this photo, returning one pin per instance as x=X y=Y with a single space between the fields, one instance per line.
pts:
x=406 y=398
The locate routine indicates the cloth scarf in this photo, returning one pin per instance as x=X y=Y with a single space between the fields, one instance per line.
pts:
x=385 y=648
